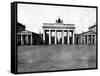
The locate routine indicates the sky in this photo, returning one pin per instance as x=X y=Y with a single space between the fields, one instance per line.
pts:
x=33 y=16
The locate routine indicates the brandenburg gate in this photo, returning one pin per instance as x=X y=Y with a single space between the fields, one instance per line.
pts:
x=59 y=26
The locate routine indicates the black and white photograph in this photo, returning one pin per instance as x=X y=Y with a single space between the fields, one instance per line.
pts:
x=55 y=37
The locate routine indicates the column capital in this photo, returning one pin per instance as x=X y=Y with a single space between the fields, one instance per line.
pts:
x=49 y=29
x=44 y=29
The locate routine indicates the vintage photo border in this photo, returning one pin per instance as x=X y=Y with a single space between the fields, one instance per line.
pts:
x=14 y=66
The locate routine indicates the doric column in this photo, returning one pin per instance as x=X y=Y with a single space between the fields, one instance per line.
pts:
x=87 y=39
x=68 y=37
x=62 y=36
x=91 y=39
x=27 y=39
x=49 y=37
x=31 y=39
x=21 y=39
x=81 y=39
x=55 y=36
x=44 y=36
x=94 y=39
x=73 y=36
x=84 y=38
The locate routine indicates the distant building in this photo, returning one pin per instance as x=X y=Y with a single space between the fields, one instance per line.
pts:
x=25 y=37
x=88 y=37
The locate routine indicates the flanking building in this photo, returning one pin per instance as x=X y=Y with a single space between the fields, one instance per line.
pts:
x=25 y=37
x=88 y=37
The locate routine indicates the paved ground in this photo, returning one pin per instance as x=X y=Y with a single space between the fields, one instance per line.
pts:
x=56 y=57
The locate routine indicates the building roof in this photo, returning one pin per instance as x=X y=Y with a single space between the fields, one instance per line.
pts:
x=87 y=32
x=92 y=26
x=19 y=24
